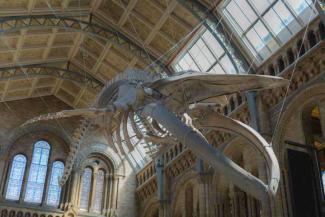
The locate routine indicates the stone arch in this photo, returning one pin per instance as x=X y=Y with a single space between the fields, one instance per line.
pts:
x=151 y=207
x=101 y=149
x=4 y=213
x=299 y=102
x=191 y=177
x=294 y=107
x=34 y=128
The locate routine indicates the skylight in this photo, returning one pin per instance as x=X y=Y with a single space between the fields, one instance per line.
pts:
x=265 y=25
x=205 y=54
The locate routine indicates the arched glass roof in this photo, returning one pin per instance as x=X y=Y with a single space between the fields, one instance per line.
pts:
x=207 y=54
x=265 y=25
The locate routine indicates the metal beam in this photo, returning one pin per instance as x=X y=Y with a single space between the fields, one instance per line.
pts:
x=38 y=70
x=14 y=23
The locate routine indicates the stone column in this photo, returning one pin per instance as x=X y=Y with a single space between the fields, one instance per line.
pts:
x=106 y=194
x=233 y=204
x=205 y=179
x=242 y=205
x=4 y=169
x=263 y=176
x=109 y=194
x=24 y=185
x=64 y=197
x=252 y=106
x=114 y=196
x=46 y=184
x=72 y=200
x=92 y=191
x=162 y=192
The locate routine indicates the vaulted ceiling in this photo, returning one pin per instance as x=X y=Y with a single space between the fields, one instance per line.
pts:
x=70 y=48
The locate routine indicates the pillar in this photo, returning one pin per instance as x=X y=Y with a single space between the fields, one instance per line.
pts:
x=108 y=200
x=205 y=178
x=93 y=189
x=162 y=191
x=73 y=196
x=24 y=185
x=114 y=196
x=46 y=184
x=251 y=101
x=4 y=173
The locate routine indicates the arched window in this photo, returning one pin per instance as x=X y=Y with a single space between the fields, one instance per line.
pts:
x=54 y=192
x=37 y=173
x=85 y=189
x=16 y=177
x=99 y=190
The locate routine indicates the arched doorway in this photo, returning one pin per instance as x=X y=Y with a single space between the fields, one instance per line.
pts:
x=298 y=143
x=306 y=166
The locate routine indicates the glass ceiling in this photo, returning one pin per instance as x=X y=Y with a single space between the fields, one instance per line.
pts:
x=205 y=54
x=265 y=25
x=262 y=25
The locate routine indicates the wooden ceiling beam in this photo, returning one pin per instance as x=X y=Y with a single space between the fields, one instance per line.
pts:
x=31 y=6
x=20 y=43
x=127 y=12
x=101 y=57
x=49 y=44
x=177 y=19
x=171 y=6
x=94 y=5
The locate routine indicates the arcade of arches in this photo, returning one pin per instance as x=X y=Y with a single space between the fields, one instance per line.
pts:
x=50 y=62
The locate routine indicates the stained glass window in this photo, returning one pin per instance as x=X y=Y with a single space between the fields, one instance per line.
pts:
x=54 y=191
x=85 y=189
x=37 y=173
x=99 y=190
x=265 y=25
x=16 y=177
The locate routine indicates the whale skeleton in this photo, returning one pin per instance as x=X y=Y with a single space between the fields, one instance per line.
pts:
x=141 y=108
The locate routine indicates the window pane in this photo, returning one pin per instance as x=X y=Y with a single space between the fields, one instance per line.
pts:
x=227 y=65
x=255 y=40
x=85 y=189
x=302 y=7
x=247 y=10
x=261 y=5
x=99 y=190
x=276 y=26
x=54 y=192
x=201 y=55
x=274 y=21
x=37 y=173
x=265 y=36
x=178 y=68
x=16 y=177
x=240 y=18
x=213 y=44
x=187 y=63
x=286 y=17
